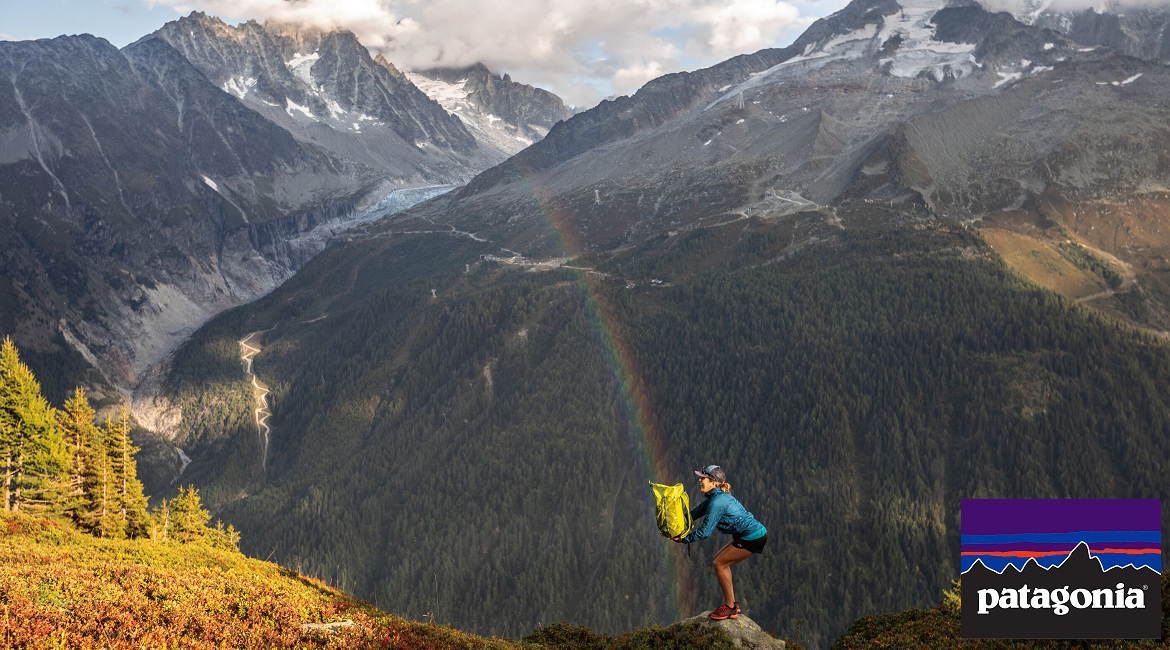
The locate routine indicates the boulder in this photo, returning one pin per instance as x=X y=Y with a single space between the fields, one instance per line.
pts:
x=743 y=631
x=326 y=627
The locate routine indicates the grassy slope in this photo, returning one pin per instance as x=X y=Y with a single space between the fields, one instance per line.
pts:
x=62 y=589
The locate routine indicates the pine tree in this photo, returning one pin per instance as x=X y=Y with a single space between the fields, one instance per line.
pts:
x=99 y=514
x=188 y=518
x=127 y=500
x=34 y=455
x=80 y=435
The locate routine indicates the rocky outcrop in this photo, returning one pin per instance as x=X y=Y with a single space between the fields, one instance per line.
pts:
x=1141 y=32
x=743 y=631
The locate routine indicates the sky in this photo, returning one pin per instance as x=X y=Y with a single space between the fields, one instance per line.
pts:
x=583 y=50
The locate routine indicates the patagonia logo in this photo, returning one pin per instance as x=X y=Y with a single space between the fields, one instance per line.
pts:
x=1061 y=568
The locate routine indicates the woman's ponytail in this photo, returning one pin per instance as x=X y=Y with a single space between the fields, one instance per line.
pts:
x=726 y=487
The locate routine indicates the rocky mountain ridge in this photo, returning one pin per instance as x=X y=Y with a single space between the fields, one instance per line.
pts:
x=325 y=87
x=510 y=114
x=1140 y=30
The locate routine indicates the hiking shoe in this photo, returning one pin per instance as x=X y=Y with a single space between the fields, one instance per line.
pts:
x=724 y=612
x=737 y=609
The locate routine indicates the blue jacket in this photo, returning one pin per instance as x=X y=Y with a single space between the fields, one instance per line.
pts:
x=724 y=513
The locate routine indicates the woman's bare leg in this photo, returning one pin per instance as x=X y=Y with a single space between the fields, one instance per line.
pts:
x=727 y=556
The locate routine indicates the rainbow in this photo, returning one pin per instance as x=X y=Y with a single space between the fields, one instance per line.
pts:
x=637 y=406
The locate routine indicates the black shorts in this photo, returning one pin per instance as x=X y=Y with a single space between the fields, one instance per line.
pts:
x=753 y=545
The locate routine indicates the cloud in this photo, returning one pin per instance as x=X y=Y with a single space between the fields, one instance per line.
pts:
x=577 y=48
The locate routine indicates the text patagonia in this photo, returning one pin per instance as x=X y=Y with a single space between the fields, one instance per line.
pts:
x=1058 y=600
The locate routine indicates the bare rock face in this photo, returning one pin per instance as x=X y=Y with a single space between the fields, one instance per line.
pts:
x=744 y=632
x=139 y=199
x=324 y=87
x=1140 y=31
x=496 y=109
x=144 y=190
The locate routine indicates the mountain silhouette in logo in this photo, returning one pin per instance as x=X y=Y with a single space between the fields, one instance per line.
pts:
x=1005 y=616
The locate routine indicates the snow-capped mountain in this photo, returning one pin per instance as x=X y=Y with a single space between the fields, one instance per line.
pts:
x=883 y=112
x=324 y=87
x=507 y=114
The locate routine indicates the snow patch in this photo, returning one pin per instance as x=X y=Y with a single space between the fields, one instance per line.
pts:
x=301 y=66
x=450 y=96
x=1025 y=63
x=1041 y=68
x=1006 y=77
x=1049 y=46
x=293 y=106
x=1129 y=80
x=919 y=51
x=239 y=86
x=211 y=183
x=334 y=108
x=1086 y=49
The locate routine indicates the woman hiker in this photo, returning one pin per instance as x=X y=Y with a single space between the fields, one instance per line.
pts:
x=724 y=513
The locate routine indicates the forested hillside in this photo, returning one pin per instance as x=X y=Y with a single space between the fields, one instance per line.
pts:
x=470 y=455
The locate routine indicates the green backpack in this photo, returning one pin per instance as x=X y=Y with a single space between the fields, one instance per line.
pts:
x=673 y=509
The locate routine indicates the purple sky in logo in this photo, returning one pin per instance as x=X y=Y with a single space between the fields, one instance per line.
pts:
x=1007 y=516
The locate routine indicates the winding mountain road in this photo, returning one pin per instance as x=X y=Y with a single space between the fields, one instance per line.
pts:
x=260 y=392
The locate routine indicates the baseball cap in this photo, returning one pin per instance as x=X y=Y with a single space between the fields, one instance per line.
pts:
x=713 y=472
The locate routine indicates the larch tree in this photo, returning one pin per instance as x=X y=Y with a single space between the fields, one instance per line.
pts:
x=33 y=454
